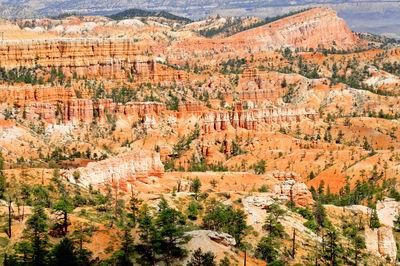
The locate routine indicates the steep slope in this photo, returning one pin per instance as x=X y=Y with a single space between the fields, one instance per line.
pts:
x=319 y=27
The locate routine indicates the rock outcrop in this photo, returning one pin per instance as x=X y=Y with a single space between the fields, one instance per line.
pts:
x=381 y=242
x=286 y=176
x=255 y=87
x=219 y=237
x=62 y=104
x=387 y=210
x=44 y=111
x=141 y=109
x=121 y=170
x=292 y=190
x=79 y=111
x=91 y=57
x=190 y=108
x=85 y=57
x=251 y=118
x=23 y=94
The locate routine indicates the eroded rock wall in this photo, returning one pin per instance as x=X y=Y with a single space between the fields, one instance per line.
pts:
x=121 y=170
x=251 y=118
x=381 y=242
x=85 y=57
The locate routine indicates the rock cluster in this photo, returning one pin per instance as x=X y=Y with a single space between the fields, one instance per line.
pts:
x=285 y=176
x=251 y=118
x=70 y=109
x=219 y=237
x=23 y=94
x=44 y=111
x=294 y=191
x=121 y=170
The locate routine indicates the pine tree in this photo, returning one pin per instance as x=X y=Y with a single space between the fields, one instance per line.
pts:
x=333 y=248
x=64 y=253
x=82 y=235
x=134 y=206
x=319 y=214
x=374 y=220
x=396 y=223
x=62 y=208
x=148 y=236
x=202 y=259
x=171 y=227
x=192 y=211
x=267 y=250
x=195 y=186
x=124 y=256
x=36 y=235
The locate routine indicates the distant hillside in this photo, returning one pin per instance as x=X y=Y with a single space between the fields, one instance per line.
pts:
x=131 y=13
x=376 y=16
x=385 y=42
x=17 y=12
x=235 y=26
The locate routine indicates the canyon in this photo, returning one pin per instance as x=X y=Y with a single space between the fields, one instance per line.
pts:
x=287 y=130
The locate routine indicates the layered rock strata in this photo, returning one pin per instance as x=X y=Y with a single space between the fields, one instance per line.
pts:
x=251 y=118
x=316 y=28
x=121 y=170
x=85 y=57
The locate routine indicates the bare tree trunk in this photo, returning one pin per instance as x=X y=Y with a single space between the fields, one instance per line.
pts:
x=245 y=255
x=9 y=217
x=294 y=243
x=65 y=223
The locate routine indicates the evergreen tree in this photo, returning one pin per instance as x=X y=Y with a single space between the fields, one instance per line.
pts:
x=224 y=218
x=202 y=259
x=36 y=235
x=374 y=220
x=62 y=208
x=320 y=214
x=134 y=206
x=333 y=249
x=267 y=250
x=193 y=211
x=148 y=235
x=195 y=187
x=64 y=254
x=396 y=223
x=124 y=256
x=171 y=227
x=82 y=235
x=272 y=225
